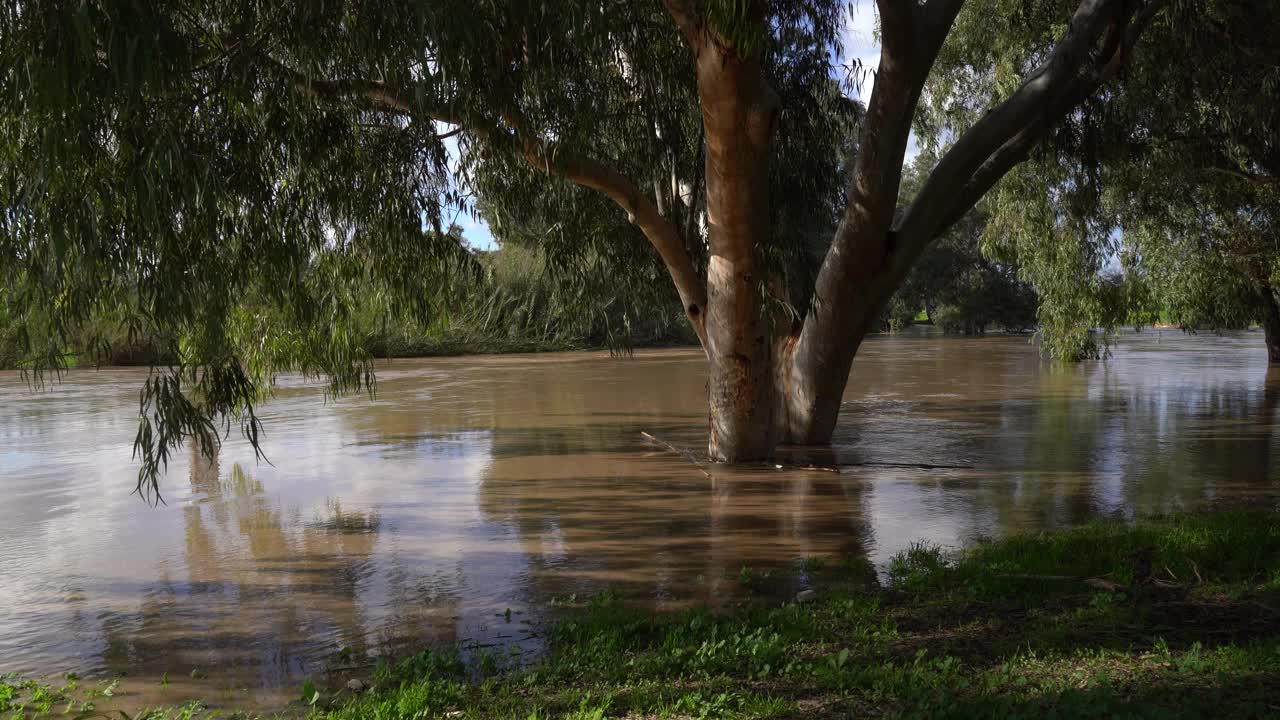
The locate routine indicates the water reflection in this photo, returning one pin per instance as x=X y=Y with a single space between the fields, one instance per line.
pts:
x=476 y=486
x=1168 y=423
x=260 y=583
x=661 y=529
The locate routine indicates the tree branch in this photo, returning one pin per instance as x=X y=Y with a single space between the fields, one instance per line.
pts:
x=579 y=169
x=939 y=14
x=452 y=133
x=374 y=91
x=897 y=21
x=1258 y=178
x=659 y=230
x=1004 y=136
x=913 y=35
x=688 y=20
x=872 y=250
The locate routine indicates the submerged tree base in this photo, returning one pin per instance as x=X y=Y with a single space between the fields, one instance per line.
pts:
x=1172 y=617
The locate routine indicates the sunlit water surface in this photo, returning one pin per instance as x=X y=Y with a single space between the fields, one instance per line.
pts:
x=472 y=486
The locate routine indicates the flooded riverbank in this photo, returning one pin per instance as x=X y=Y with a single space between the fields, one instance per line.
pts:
x=474 y=486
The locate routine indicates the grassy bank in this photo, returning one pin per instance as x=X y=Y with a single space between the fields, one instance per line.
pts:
x=1176 y=617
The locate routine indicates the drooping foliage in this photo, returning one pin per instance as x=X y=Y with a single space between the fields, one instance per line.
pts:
x=1155 y=200
x=524 y=300
x=245 y=178
x=156 y=168
x=241 y=180
x=959 y=288
x=645 y=119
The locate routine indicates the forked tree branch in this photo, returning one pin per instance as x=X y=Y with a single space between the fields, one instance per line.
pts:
x=1095 y=46
x=872 y=248
x=641 y=211
x=912 y=37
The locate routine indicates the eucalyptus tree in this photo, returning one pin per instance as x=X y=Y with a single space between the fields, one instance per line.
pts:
x=172 y=157
x=1171 y=177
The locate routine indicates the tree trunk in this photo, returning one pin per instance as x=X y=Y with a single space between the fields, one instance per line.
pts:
x=1270 y=322
x=817 y=371
x=1261 y=279
x=738 y=114
x=770 y=383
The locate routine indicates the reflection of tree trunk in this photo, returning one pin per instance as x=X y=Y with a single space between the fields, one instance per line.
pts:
x=1271 y=394
x=1267 y=416
x=204 y=473
x=1271 y=324
x=770 y=522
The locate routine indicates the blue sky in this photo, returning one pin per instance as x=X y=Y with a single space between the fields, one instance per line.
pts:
x=859 y=43
x=474 y=230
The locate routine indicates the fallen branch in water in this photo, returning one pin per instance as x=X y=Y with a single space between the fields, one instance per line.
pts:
x=774 y=465
x=912 y=466
x=686 y=454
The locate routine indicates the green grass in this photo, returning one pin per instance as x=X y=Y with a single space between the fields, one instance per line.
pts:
x=1170 y=618
x=1213 y=550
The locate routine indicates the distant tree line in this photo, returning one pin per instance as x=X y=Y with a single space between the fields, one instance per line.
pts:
x=510 y=299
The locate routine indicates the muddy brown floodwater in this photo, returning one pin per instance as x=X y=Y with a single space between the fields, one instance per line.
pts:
x=471 y=486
